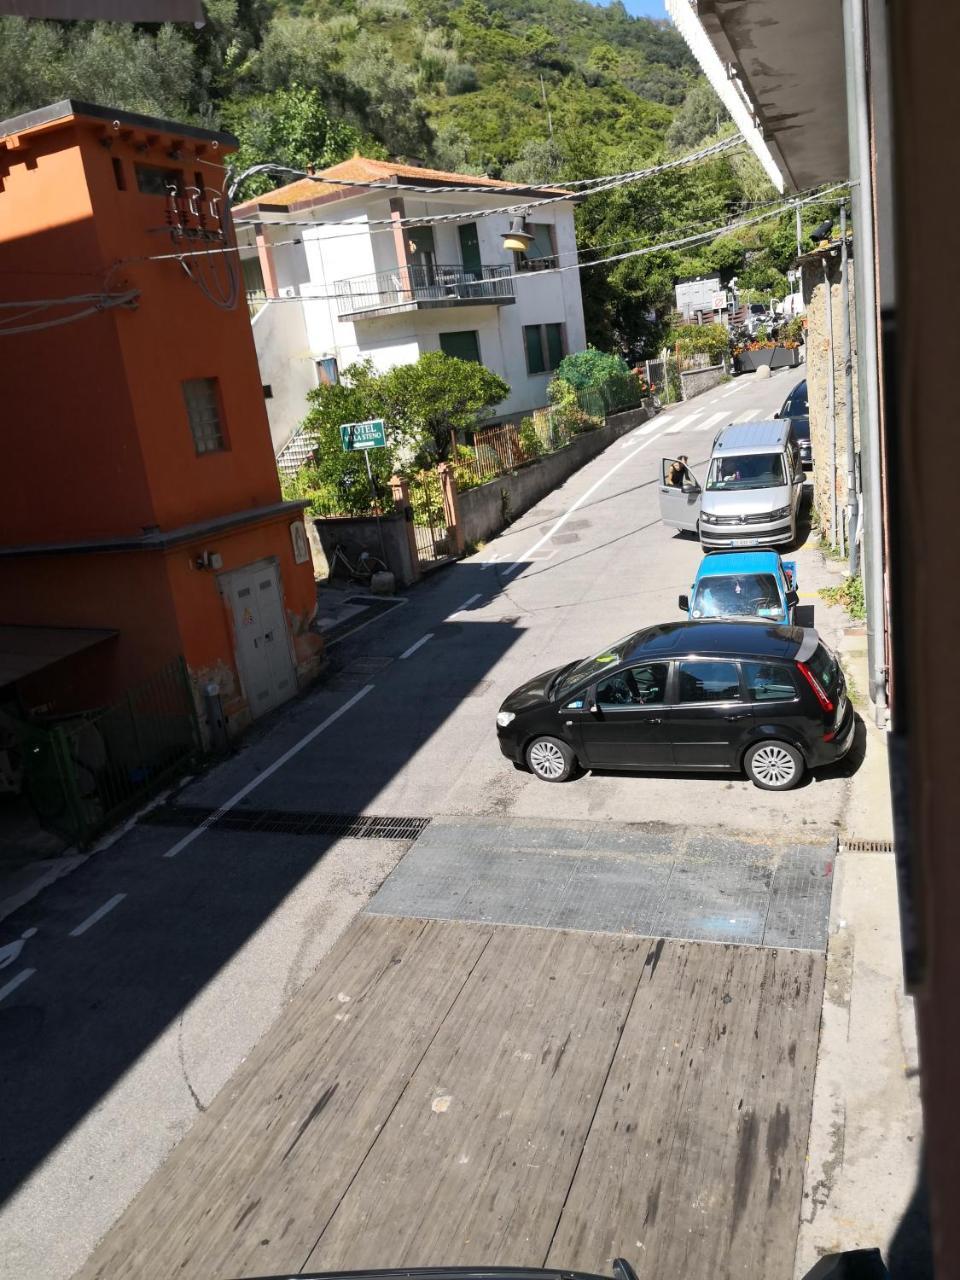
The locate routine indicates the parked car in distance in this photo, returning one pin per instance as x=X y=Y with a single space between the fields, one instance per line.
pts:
x=796 y=408
x=753 y=489
x=697 y=696
x=743 y=584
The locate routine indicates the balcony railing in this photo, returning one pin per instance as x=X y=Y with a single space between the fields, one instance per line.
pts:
x=407 y=288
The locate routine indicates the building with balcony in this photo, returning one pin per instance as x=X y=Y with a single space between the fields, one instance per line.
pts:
x=335 y=273
x=143 y=523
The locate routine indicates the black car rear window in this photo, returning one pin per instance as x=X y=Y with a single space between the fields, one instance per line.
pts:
x=823 y=666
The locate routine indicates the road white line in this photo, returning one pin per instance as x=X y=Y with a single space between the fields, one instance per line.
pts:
x=579 y=503
x=100 y=912
x=266 y=773
x=493 y=560
x=730 y=391
x=647 y=428
x=369 y=623
x=711 y=421
x=18 y=981
x=467 y=603
x=414 y=647
x=746 y=417
x=678 y=426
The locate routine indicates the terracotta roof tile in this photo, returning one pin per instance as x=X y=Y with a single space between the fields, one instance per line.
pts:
x=361 y=169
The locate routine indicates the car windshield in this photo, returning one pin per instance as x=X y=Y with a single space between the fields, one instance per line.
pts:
x=590 y=667
x=747 y=471
x=796 y=404
x=748 y=595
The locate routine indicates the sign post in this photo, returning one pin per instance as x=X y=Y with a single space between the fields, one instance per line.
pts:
x=364 y=436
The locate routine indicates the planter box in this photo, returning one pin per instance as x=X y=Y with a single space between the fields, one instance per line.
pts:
x=775 y=357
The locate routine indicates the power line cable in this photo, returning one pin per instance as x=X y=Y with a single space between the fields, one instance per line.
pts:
x=602 y=185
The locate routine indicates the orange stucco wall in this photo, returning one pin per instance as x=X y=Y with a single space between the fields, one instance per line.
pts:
x=96 y=407
x=97 y=441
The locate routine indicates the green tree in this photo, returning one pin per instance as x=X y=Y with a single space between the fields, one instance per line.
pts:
x=290 y=127
x=699 y=117
x=438 y=394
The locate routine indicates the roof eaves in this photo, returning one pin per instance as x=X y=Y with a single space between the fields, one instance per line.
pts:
x=73 y=108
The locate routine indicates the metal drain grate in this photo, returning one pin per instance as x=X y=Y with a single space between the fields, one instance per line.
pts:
x=866 y=846
x=354 y=826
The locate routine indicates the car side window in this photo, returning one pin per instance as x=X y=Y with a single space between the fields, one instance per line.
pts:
x=768 y=682
x=636 y=687
x=707 y=680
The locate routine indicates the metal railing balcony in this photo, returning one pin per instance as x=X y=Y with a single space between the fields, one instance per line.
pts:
x=411 y=287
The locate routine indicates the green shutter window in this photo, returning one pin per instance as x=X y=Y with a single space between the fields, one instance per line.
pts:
x=531 y=340
x=554 y=345
x=463 y=345
x=542 y=246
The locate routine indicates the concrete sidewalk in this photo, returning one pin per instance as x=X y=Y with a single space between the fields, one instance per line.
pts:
x=866 y=1132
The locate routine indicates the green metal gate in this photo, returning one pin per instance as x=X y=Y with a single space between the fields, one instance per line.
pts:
x=83 y=772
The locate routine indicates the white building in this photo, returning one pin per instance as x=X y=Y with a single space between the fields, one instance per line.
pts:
x=334 y=275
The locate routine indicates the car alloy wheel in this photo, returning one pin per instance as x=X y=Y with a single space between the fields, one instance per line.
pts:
x=774 y=766
x=550 y=760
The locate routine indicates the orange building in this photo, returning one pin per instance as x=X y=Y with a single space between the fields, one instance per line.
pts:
x=138 y=489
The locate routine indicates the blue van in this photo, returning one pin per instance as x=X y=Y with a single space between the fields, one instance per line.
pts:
x=744 y=585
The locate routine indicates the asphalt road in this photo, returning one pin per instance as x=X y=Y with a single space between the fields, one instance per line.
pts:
x=157 y=965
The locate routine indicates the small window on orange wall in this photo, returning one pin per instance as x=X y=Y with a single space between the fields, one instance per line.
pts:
x=202 y=398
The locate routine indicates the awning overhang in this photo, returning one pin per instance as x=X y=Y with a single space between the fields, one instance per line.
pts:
x=778 y=66
x=26 y=650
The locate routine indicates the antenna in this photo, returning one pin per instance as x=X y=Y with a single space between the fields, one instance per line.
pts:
x=543 y=91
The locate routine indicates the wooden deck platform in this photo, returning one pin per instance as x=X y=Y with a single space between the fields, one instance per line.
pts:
x=444 y=1092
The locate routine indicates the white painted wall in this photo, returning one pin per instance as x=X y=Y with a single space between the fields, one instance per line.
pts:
x=286 y=365
x=351 y=248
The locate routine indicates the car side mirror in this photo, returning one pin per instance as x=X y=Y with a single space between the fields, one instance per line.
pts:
x=683 y=602
x=793 y=599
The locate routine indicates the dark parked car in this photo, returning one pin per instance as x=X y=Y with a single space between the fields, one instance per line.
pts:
x=797 y=409
x=729 y=696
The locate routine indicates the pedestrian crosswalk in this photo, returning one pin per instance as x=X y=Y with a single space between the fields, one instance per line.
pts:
x=682 y=422
x=748 y=416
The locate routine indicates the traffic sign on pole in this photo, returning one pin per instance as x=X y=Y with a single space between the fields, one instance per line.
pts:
x=363 y=435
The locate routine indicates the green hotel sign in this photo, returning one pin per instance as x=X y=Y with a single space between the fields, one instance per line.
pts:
x=363 y=435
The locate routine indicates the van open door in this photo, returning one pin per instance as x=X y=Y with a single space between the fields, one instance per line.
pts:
x=679 y=496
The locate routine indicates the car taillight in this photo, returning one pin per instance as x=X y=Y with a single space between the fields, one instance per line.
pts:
x=814 y=684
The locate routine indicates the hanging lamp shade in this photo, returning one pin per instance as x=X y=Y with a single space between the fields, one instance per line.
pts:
x=517 y=238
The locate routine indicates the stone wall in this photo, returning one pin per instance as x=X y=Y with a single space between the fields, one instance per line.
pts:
x=694 y=382
x=490 y=507
x=818 y=377
x=360 y=533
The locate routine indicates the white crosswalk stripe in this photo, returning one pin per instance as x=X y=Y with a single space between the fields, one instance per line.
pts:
x=683 y=422
x=730 y=390
x=748 y=416
x=711 y=421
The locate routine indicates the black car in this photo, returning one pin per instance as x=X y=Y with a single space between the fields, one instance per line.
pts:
x=698 y=696
x=797 y=409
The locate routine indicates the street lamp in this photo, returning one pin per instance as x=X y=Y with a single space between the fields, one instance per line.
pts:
x=517 y=239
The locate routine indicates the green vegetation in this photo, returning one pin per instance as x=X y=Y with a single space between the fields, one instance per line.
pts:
x=529 y=90
x=421 y=403
x=849 y=594
x=694 y=339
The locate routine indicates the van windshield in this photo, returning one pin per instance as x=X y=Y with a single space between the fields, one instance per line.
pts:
x=747 y=471
x=748 y=595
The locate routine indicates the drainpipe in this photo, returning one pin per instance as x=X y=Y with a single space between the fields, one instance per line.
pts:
x=831 y=403
x=858 y=131
x=853 y=511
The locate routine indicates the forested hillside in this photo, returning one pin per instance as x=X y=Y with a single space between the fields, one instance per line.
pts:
x=537 y=90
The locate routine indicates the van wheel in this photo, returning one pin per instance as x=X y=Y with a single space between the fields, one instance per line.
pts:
x=550 y=759
x=773 y=765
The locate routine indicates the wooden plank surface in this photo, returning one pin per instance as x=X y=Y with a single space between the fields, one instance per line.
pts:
x=694 y=1163
x=249 y=1189
x=454 y=1093
x=476 y=1161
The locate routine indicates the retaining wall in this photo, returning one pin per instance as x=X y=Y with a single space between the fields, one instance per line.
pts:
x=693 y=382
x=359 y=533
x=490 y=507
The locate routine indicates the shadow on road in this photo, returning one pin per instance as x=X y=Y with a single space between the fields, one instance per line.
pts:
x=94 y=1003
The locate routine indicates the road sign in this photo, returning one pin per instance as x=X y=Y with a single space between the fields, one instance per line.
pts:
x=363 y=435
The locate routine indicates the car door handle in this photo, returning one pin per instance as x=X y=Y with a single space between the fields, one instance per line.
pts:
x=741 y=716
x=655 y=720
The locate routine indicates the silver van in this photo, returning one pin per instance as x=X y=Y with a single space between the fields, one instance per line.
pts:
x=752 y=493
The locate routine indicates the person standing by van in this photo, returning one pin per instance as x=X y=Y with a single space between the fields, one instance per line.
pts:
x=679 y=472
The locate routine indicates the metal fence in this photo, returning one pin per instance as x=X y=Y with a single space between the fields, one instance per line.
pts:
x=430 y=529
x=422 y=283
x=493 y=451
x=83 y=772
